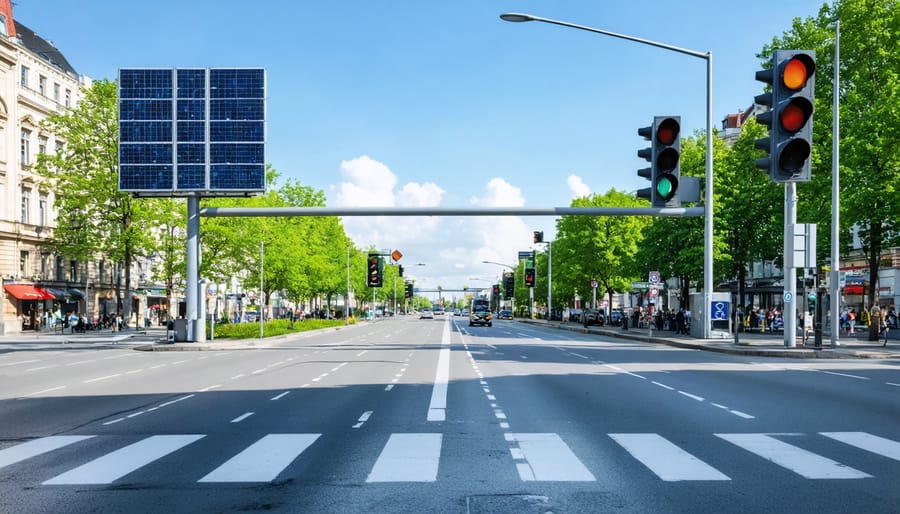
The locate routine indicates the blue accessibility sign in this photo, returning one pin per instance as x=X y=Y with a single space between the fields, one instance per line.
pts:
x=718 y=311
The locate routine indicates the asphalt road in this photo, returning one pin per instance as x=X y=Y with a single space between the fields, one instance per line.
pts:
x=409 y=415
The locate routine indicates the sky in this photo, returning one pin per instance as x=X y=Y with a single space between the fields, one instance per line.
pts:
x=382 y=103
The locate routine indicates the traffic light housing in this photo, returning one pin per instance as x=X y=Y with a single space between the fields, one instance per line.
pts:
x=509 y=285
x=400 y=270
x=495 y=290
x=375 y=274
x=538 y=236
x=664 y=155
x=790 y=117
x=529 y=277
x=409 y=291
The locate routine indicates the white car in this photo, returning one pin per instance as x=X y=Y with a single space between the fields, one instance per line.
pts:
x=426 y=314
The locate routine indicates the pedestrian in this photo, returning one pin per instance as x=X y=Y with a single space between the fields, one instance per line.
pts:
x=680 y=322
x=851 y=319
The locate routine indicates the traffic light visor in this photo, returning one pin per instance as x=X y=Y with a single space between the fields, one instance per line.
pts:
x=797 y=71
x=667 y=131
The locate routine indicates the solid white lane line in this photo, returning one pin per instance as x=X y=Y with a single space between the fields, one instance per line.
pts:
x=408 y=458
x=102 y=378
x=438 y=405
x=665 y=459
x=132 y=372
x=845 y=375
x=663 y=386
x=242 y=417
x=280 y=396
x=264 y=460
x=45 y=391
x=742 y=414
x=549 y=458
x=119 y=463
x=871 y=443
x=798 y=460
x=37 y=447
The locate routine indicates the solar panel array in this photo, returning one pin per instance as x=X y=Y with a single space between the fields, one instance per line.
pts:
x=192 y=131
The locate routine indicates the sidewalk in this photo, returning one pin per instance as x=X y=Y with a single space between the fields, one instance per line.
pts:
x=755 y=344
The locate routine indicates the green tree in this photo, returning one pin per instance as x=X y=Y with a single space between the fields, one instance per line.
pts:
x=93 y=216
x=869 y=99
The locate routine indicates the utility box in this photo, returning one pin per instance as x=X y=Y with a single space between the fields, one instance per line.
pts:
x=181 y=330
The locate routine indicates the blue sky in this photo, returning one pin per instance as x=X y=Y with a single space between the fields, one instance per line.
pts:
x=401 y=102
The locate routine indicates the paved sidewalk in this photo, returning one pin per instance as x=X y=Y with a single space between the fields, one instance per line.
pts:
x=762 y=345
x=752 y=343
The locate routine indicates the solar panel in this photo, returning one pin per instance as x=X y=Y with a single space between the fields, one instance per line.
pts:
x=192 y=130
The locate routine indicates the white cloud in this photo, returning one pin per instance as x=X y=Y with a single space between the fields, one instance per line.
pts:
x=452 y=248
x=577 y=186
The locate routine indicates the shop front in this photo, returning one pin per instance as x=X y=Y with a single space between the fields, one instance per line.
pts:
x=32 y=303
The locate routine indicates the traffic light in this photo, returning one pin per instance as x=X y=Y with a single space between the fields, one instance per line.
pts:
x=495 y=290
x=664 y=155
x=375 y=275
x=538 y=236
x=400 y=270
x=529 y=277
x=509 y=285
x=409 y=290
x=789 y=118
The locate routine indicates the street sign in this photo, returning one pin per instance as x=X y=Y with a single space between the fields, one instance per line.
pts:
x=654 y=292
x=788 y=297
x=396 y=255
x=654 y=277
x=594 y=283
x=526 y=255
x=719 y=311
x=647 y=285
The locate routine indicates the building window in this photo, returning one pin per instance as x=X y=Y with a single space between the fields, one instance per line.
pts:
x=68 y=98
x=23 y=78
x=42 y=145
x=3 y=31
x=42 y=85
x=23 y=264
x=43 y=267
x=25 y=147
x=56 y=92
x=59 y=268
x=26 y=206
x=101 y=271
x=42 y=211
x=73 y=271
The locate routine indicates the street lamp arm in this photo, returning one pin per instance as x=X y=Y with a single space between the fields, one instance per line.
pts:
x=499 y=264
x=519 y=17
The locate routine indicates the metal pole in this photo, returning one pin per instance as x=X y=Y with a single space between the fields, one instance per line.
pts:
x=833 y=285
x=549 y=280
x=193 y=274
x=789 y=312
x=262 y=295
x=347 y=299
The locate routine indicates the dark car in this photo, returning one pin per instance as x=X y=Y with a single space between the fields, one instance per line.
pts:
x=480 y=315
x=616 y=317
x=505 y=315
x=593 y=317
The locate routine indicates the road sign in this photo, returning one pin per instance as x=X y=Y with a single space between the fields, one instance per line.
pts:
x=719 y=311
x=788 y=297
x=594 y=283
x=396 y=255
x=654 y=292
x=646 y=285
x=526 y=255
x=654 y=277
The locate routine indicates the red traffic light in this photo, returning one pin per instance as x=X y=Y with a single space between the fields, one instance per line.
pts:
x=667 y=131
x=797 y=71
x=795 y=114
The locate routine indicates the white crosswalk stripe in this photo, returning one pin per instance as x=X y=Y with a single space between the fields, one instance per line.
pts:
x=263 y=460
x=416 y=457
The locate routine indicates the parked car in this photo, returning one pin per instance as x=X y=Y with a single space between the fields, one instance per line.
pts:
x=593 y=317
x=575 y=315
x=616 y=317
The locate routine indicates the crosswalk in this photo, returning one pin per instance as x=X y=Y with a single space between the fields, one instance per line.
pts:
x=416 y=457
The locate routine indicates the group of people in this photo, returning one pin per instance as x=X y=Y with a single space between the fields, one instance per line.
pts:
x=678 y=321
x=80 y=323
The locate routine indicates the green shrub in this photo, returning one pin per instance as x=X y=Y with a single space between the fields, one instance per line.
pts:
x=276 y=327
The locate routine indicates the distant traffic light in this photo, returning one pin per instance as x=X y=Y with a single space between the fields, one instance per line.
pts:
x=400 y=270
x=664 y=155
x=509 y=285
x=409 y=290
x=375 y=274
x=538 y=236
x=495 y=290
x=789 y=118
x=529 y=277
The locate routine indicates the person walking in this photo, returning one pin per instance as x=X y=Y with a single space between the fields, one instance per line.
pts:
x=681 y=326
x=851 y=319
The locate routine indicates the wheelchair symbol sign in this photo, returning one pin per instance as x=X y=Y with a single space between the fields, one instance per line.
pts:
x=719 y=311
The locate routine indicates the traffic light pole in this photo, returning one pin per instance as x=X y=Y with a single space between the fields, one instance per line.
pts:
x=789 y=312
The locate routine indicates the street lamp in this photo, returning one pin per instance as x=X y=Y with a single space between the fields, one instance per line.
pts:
x=513 y=270
x=708 y=212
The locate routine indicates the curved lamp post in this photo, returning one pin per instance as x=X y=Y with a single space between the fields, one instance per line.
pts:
x=708 y=213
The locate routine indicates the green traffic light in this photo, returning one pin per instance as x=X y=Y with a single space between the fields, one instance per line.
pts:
x=664 y=187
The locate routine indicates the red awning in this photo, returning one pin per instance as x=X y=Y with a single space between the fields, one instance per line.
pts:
x=28 y=292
